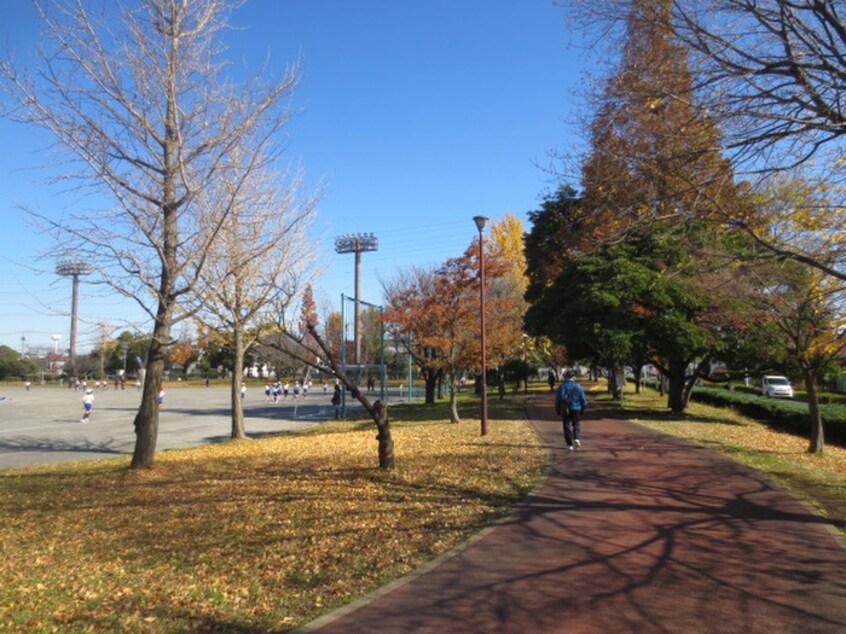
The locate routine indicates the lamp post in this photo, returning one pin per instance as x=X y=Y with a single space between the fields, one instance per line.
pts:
x=481 y=221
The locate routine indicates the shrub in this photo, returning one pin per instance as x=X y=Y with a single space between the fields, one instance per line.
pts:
x=790 y=416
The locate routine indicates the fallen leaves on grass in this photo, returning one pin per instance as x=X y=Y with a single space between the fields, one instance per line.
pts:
x=260 y=535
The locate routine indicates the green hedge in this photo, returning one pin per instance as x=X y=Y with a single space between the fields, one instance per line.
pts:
x=799 y=394
x=790 y=416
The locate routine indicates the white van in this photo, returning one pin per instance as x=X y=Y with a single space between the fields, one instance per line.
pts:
x=775 y=386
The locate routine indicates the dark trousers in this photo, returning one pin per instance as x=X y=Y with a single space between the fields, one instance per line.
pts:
x=572 y=426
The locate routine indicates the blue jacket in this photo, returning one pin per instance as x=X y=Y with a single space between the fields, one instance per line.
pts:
x=571 y=393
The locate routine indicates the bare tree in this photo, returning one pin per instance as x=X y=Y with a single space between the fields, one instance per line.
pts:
x=770 y=73
x=773 y=71
x=769 y=76
x=139 y=98
x=309 y=348
x=270 y=351
x=256 y=265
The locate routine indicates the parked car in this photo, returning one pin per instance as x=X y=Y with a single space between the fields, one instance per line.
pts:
x=775 y=386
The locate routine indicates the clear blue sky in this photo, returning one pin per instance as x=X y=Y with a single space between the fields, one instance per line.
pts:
x=419 y=114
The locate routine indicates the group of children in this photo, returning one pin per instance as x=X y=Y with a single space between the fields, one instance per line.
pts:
x=276 y=392
x=77 y=384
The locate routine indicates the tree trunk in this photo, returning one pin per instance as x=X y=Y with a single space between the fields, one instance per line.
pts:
x=238 y=432
x=147 y=418
x=676 y=386
x=453 y=400
x=817 y=441
x=431 y=382
x=615 y=386
x=689 y=384
x=386 y=443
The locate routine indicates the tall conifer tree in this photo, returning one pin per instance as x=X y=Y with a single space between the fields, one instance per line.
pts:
x=655 y=168
x=653 y=156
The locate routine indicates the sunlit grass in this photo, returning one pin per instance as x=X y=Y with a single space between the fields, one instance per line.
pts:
x=251 y=536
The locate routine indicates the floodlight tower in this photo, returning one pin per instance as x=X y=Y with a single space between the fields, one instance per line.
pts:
x=73 y=269
x=357 y=243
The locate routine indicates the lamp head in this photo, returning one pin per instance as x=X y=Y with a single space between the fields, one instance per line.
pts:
x=480 y=221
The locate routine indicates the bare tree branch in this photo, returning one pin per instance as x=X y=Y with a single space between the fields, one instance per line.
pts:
x=139 y=97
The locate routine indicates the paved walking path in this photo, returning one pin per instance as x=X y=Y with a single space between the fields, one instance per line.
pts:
x=637 y=532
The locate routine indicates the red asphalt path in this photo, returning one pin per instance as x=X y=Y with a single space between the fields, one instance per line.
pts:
x=637 y=532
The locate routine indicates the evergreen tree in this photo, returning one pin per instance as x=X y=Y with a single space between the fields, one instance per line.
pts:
x=641 y=261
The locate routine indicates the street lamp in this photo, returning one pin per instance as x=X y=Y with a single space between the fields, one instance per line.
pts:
x=481 y=221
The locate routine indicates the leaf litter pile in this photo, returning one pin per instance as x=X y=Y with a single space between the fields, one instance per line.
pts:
x=252 y=536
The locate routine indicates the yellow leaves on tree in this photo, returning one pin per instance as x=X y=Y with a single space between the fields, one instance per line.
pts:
x=507 y=239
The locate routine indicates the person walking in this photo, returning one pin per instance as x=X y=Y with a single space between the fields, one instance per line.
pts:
x=336 y=401
x=88 y=405
x=570 y=403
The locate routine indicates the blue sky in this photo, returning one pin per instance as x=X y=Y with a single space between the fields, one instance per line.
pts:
x=419 y=115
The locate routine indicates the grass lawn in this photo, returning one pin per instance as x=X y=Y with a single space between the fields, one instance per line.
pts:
x=252 y=536
x=818 y=479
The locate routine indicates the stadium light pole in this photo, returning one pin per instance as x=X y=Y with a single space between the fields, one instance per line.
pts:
x=481 y=221
x=356 y=243
x=73 y=269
